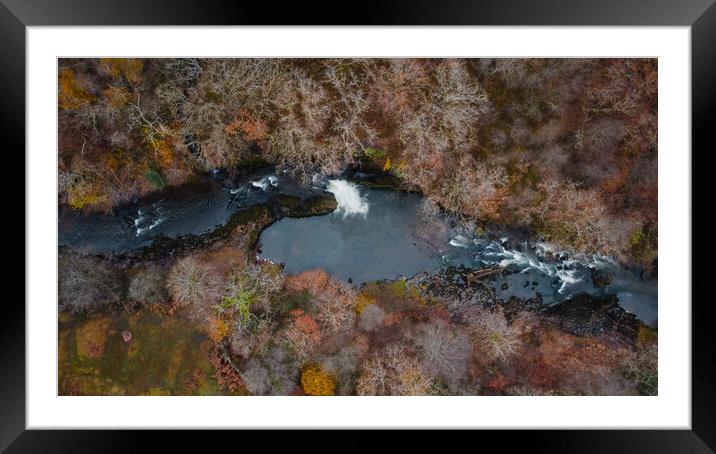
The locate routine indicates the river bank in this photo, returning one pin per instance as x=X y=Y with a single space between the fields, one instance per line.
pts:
x=265 y=209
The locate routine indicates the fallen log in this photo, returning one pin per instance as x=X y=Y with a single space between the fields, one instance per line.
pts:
x=483 y=273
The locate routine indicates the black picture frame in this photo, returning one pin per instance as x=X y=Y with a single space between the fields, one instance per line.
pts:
x=700 y=15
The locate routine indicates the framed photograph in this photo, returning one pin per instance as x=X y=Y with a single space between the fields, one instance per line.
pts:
x=455 y=216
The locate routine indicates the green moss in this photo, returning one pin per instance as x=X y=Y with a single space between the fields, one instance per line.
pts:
x=394 y=295
x=643 y=244
x=636 y=238
x=376 y=154
x=155 y=178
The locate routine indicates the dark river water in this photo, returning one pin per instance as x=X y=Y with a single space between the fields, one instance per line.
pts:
x=190 y=210
x=373 y=234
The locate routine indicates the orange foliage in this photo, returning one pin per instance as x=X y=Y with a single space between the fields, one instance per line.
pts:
x=116 y=96
x=306 y=324
x=333 y=300
x=71 y=95
x=217 y=329
x=490 y=206
x=316 y=382
x=303 y=333
x=309 y=281
x=616 y=182
x=498 y=382
x=253 y=128
x=164 y=150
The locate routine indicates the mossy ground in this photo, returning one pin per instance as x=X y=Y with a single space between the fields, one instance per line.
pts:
x=166 y=356
x=395 y=295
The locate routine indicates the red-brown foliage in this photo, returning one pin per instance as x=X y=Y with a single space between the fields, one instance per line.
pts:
x=226 y=376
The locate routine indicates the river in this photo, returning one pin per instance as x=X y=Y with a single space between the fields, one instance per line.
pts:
x=373 y=234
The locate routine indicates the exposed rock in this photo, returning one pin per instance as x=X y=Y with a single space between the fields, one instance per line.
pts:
x=601 y=278
x=583 y=314
x=590 y=315
x=126 y=336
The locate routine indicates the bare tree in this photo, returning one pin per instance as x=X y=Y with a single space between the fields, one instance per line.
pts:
x=86 y=283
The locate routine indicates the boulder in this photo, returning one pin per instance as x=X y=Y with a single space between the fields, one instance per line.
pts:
x=601 y=278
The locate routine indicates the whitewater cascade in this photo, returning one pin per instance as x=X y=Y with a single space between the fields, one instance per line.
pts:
x=349 y=199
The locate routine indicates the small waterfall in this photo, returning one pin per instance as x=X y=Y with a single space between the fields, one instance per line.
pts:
x=265 y=182
x=460 y=241
x=349 y=199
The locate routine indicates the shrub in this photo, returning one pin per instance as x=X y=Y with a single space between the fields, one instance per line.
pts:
x=312 y=281
x=316 y=382
x=148 y=287
x=86 y=283
x=572 y=365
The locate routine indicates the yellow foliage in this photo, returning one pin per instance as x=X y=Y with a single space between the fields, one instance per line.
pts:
x=84 y=194
x=71 y=95
x=218 y=329
x=386 y=167
x=362 y=302
x=164 y=152
x=130 y=68
x=316 y=382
